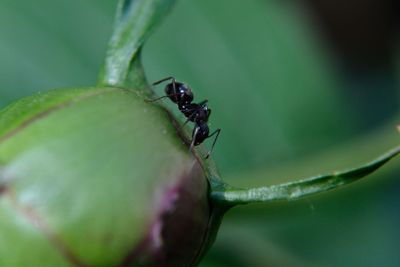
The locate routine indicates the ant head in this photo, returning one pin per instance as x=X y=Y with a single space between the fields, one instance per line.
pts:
x=179 y=93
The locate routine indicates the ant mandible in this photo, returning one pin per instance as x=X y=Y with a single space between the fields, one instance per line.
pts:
x=182 y=95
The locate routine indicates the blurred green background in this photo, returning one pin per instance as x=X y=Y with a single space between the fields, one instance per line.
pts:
x=298 y=88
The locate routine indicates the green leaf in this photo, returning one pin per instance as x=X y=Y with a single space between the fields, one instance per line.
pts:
x=227 y=195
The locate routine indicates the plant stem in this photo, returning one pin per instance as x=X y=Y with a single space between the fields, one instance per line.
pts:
x=230 y=196
x=135 y=20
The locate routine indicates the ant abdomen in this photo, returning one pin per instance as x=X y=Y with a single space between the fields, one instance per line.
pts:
x=200 y=133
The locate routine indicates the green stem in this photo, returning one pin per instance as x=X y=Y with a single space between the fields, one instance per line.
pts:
x=135 y=20
x=230 y=196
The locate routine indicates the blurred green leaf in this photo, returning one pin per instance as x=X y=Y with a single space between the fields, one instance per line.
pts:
x=43 y=48
x=252 y=250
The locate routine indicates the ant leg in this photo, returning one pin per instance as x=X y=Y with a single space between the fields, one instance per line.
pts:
x=173 y=84
x=208 y=113
x=183 y=125
x=215 y=140
x=192 y=116
x=203 y=102
x=156 y=99
x=163 y=80
x=195 y=131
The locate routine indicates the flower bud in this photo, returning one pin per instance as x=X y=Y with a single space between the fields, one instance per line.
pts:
x=97 y=177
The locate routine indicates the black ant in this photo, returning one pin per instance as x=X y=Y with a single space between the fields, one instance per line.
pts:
x=182 y=95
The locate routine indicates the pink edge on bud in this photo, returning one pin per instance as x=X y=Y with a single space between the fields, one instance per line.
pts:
x=178 y=231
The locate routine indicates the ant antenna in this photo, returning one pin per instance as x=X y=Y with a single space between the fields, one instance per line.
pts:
x=165 y=79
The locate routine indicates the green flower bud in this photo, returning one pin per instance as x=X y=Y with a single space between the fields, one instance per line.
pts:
x=97 y=177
